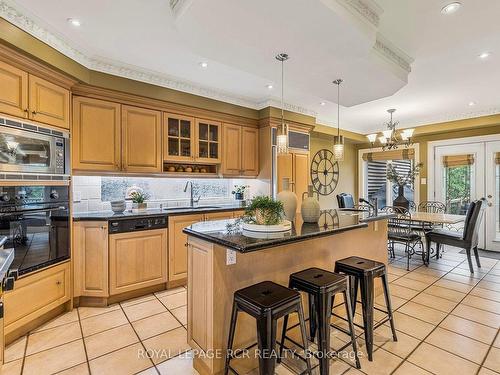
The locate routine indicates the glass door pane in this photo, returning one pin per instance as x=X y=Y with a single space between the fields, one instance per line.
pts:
x=402 y=167
x=376 y=182
x=492 y=195
x=457 y=188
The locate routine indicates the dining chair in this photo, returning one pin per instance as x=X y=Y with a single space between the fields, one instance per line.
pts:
x=468 y=239
x=400 y=231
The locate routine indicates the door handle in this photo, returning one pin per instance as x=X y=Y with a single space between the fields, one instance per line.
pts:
x=490 y=196
x=490 y=204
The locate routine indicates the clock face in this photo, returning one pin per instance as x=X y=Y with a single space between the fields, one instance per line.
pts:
x=329 y=219
x=324 y=172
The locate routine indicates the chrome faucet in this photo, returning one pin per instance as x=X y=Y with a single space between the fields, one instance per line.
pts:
x=192 y=200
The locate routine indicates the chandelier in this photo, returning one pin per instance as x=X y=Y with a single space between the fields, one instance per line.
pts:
x=391 y=138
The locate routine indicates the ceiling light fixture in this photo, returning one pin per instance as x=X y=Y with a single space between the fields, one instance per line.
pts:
x=282 y=137
x=451 y=8
x=74 y=21
x=204 y=64
x=472 y=104
x=391 y=138
x=484 y=55
x=322 y=104
x=269 y=87
x=338 y=140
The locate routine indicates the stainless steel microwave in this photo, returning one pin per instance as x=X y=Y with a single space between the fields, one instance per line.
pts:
x=26 y=149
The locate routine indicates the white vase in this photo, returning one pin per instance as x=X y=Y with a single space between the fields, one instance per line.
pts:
x=289 y=200
x=309 y=209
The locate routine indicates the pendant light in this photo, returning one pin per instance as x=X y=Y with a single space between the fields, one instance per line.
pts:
x=282 y=138
x=338 y=140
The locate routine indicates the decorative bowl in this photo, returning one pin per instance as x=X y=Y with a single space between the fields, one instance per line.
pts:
x=118 y=206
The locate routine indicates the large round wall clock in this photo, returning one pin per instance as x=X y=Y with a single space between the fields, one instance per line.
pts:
x=324 y=172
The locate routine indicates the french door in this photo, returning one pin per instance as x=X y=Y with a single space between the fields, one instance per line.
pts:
x=464 y=172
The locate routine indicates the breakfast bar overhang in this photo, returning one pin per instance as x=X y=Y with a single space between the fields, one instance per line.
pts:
x=221 y=261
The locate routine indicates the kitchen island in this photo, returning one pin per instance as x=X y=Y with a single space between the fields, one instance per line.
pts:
x=221 y=260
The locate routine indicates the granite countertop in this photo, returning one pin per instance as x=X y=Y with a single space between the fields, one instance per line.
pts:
x=6 y=258
x=331 y=222
x=169 y=211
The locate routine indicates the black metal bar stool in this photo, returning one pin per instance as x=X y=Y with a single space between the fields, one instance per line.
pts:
x=266 y=302
x=321 y=287
x=362 y=272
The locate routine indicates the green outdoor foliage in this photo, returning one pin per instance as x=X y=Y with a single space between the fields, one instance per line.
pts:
x=457 y=187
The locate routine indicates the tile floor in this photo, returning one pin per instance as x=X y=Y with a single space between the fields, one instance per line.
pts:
x=447 y=321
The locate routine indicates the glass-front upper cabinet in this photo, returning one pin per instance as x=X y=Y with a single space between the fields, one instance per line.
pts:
x=178 y=138
x=208 y=141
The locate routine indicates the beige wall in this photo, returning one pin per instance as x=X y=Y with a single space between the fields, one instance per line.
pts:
x=348 y=168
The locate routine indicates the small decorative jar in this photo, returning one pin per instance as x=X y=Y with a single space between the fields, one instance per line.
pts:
x=289 y=200
x=310 y=209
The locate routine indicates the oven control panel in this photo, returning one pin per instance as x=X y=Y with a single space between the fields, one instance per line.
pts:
x=59 y=149
x=137 y=224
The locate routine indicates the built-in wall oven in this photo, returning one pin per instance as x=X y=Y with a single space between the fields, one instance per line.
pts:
x=36 y=221
x=30 y=151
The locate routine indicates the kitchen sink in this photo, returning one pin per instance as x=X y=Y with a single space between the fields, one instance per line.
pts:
x=189 y=208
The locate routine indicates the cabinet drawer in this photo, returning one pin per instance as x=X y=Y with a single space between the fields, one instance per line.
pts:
x=44 y=290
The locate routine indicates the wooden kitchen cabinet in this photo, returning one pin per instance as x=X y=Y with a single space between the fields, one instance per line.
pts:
x=178 y=138
x=141 y=140
x=35 y=295
x=48 y=103
x=177 y=245
x=90 y=257
x=295 y=167
x=208 y=141
x=219 y=215
x=13 y=91
x=238 y=214
x=27 y=96
x=240 y=151
x=137 y=260
x=96 y=141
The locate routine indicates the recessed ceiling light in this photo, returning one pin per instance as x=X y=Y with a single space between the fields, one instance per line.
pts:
x=74 y=21
x=484 y=55
x=270 y=87
x=204 y=64
x=472 y=104
x=322 y=103
x=451 y=8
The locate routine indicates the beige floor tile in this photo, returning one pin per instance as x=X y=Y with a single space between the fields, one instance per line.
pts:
x=493 y=360
x=12 y=368
x=403 y=346
x=469 y=328
x=479 y=274
x=445 y=293
x=55 y=359
x=175 y=300
x=485 y=371
x=181 y=314
x=469 y=280
x=412 y=326
x=494 y=271
x=492 y=278
x=396 y=270
x=396 y=302
x=156 y=324
x=149 y=371
x=457 y=344
x=52 y=337
x=110 y=340
x=144 y=309
x=102 y=322
x=482 y=303
x=180 y=365
x=124 y=361
x=441 y=362
x=486 y=293
x=440 y=266
x=430 y=271
x=497 y=342
x=429 y=279
x=81 y=369
x=440 y=304
x=87 y=312
x=423 y=312
x=15 y=350
x=402 y=292
x=477 y=315
x=69 y=317
x=411 y=283
x=391 y=277
x=489 y=285
x=383 y=363
x=169 y=292
x=453 y=285
x=408 y=368
x=168 y=344
x=135 y=301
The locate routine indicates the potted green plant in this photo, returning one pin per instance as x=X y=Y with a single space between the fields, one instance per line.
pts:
x=239 y=192
x=401 y=180
x=264 y=210
x=138 y=200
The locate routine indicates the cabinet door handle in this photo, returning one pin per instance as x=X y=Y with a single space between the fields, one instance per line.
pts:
x=58 y=282
x=33 y=112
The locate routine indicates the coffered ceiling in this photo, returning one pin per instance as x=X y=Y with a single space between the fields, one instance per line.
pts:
x=391 y=54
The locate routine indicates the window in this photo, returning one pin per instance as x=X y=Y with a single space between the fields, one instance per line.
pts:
x=457 y=185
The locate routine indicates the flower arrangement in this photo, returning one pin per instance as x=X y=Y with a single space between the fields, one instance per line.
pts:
x=264 y=210
x=139 y=196
x=239 y=191
x=403 y=179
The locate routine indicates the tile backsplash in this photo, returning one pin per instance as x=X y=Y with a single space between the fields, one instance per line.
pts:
x=94 y=193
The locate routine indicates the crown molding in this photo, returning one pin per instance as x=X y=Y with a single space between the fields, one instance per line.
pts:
x=367 y=10
x=392 y=53
x=179 y=7
x=287 y=107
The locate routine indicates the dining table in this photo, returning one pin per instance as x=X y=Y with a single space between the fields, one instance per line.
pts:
x=436 y=218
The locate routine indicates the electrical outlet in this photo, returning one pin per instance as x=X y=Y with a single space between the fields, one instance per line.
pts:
x=423 y=181
x=230 y=257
